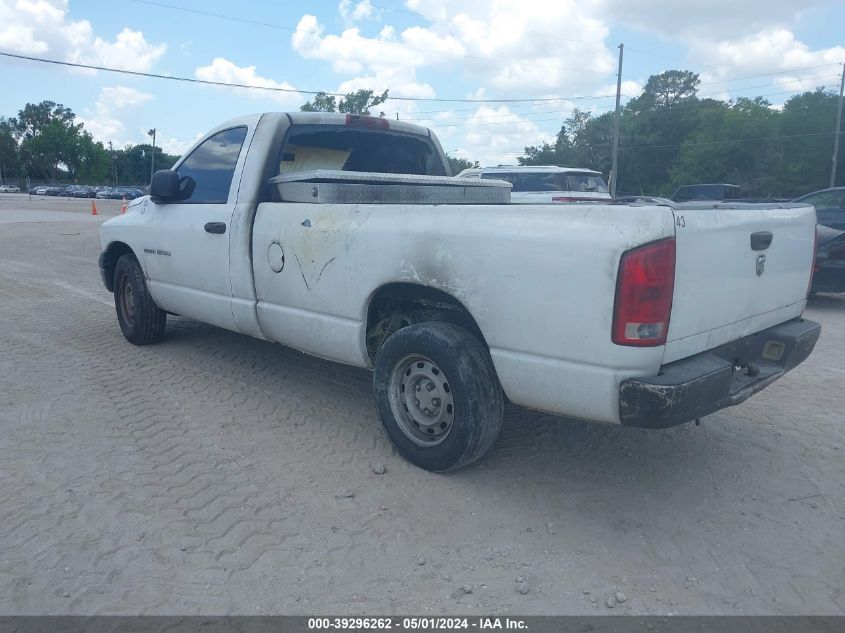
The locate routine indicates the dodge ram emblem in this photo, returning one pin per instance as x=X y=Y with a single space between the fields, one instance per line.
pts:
x=761 y=264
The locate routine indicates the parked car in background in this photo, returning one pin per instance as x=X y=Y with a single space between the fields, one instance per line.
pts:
x=103 y=193
x=38 y=191
x=55 y=191
x=545 y=183
x=829 y=269
x=118 y=193
x=830 y=206
x=9 y=189
x=83 y=191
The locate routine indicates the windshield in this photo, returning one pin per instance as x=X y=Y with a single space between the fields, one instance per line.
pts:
x=560 y=181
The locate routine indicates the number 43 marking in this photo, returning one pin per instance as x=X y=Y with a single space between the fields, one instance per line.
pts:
x=680 y=221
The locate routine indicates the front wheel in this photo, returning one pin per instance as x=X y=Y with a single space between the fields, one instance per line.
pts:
x=141 y=320
x=438 y=396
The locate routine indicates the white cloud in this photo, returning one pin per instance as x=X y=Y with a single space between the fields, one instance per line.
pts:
x=550 y=45
x=225 y=71
x=496 y=135
x=719 y=18
x=172 y=145
x=351 y=11
x=103 y=122
x=773 y=50
x=39 y=27
x=350 y=52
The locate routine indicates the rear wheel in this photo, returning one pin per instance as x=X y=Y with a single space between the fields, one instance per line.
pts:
x=141 y=320
x=438 y=396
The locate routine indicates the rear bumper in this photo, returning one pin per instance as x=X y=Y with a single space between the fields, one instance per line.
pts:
x=693 y=387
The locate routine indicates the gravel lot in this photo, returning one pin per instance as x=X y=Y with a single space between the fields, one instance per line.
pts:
x=214 y=473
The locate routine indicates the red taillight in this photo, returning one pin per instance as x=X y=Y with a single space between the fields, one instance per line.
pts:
x=360 y=120
x=644 y=290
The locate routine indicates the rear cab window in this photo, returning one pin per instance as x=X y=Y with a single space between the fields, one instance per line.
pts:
x=311 y=147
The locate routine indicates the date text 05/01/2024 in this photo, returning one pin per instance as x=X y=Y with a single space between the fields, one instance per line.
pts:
x=413 y=624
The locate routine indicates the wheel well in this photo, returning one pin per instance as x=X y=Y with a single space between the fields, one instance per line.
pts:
x=114 y=252
x=399 y=305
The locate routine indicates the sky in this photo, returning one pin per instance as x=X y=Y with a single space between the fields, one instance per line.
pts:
x=563 y=51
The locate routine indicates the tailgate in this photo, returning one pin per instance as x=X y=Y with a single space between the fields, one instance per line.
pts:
x=725 y=286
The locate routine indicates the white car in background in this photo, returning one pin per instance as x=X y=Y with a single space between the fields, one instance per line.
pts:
x=546 y=183
x=9 y=189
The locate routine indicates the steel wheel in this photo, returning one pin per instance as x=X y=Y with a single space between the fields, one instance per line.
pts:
x=141 y=320
x=421 y=400
x=127 y=300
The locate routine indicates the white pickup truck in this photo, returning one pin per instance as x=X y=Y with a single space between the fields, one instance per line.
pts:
x=342 y=236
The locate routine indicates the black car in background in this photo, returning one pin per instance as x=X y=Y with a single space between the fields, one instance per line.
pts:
x=830 y=206
x=829 y=269
x=82 y=191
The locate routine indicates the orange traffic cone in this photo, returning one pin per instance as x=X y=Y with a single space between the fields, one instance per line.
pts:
x=93 y=208
x=123 y=206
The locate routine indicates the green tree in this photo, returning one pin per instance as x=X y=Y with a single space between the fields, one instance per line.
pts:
x=9 y=156
x=321 y=103
x=358 y=102
x=665 y=90
x=731 y=144
x=51 y=144
x=457 y=164
x=806 y=125
x=133 y=163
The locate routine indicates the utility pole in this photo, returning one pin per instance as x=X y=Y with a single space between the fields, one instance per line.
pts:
x=614 y=173
x=113 y=163
x=838 y=127
x=152 y=133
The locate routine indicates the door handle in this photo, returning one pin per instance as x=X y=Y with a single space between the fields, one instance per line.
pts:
x=761 y=240
x=218 y=228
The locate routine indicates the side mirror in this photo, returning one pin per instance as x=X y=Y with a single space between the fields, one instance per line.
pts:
x=165 y=186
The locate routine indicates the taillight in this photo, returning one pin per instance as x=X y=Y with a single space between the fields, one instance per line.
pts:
x=644 y=290
x=360 y=120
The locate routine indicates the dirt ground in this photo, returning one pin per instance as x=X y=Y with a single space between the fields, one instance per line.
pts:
x=214 y=474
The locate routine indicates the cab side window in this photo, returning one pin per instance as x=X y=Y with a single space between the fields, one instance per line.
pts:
x=212 y=166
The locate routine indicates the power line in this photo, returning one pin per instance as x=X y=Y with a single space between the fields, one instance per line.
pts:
x=223 y=84
x=379 y=42
x=727 y=142
x=506 y=119
x=779 y=72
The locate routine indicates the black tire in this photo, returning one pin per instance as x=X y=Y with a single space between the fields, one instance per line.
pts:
x=463 y=370
x=141 y=320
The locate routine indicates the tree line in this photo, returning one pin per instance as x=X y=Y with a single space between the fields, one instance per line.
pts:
x=46 y=143
x=670 y=136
